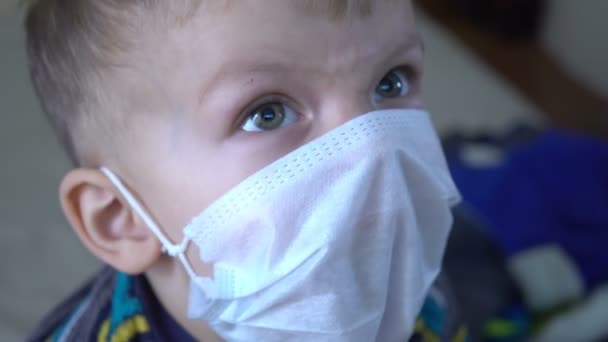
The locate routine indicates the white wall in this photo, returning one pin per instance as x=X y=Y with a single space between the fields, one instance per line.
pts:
x=576 y=33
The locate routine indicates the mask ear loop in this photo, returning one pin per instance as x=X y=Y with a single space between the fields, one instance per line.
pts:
x=171 y=249
x=168 y=247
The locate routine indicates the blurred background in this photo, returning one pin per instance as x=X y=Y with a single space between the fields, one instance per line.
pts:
x=518 y=90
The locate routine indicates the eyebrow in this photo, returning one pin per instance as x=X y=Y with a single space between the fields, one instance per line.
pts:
x=415 y=40
x=237 y=67
x=412 y=42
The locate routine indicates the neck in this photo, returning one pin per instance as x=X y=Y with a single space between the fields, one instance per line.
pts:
x=171 y=286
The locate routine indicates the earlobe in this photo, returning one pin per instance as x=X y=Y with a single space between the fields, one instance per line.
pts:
x=106 y=224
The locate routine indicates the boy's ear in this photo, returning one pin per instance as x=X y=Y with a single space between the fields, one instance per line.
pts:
x=106 y=224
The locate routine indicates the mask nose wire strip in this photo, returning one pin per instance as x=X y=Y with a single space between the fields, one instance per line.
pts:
x=168 y=247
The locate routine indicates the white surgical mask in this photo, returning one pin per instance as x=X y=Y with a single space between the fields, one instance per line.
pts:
x=339 y=240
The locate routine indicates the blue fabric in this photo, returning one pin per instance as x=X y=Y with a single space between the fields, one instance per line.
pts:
x=124 y=305
x=553 y=190
x=164 y=327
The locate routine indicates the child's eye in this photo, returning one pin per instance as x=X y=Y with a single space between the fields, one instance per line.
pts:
x=394 y=84
x=268 y=117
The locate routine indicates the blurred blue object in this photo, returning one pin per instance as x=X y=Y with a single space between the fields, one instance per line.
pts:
x=551 y=189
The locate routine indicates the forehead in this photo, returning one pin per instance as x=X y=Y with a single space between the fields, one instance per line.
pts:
x=262 y=29
x=241 y=38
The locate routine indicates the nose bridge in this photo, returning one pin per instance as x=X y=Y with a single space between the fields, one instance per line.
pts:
x=344 y=107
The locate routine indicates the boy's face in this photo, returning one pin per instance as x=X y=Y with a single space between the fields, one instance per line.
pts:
x=244 y=85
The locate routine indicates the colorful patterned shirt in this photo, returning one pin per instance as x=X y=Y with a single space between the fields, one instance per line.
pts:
x=115 y=307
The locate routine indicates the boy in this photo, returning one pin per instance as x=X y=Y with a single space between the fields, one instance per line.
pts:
x=228 y=171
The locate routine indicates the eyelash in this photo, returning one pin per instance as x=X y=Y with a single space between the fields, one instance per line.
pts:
x=409 y=71
x=267 y=99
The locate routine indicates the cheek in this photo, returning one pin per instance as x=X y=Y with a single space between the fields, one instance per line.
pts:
x=178 y=179
x=183 y=188
x=185 y=182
